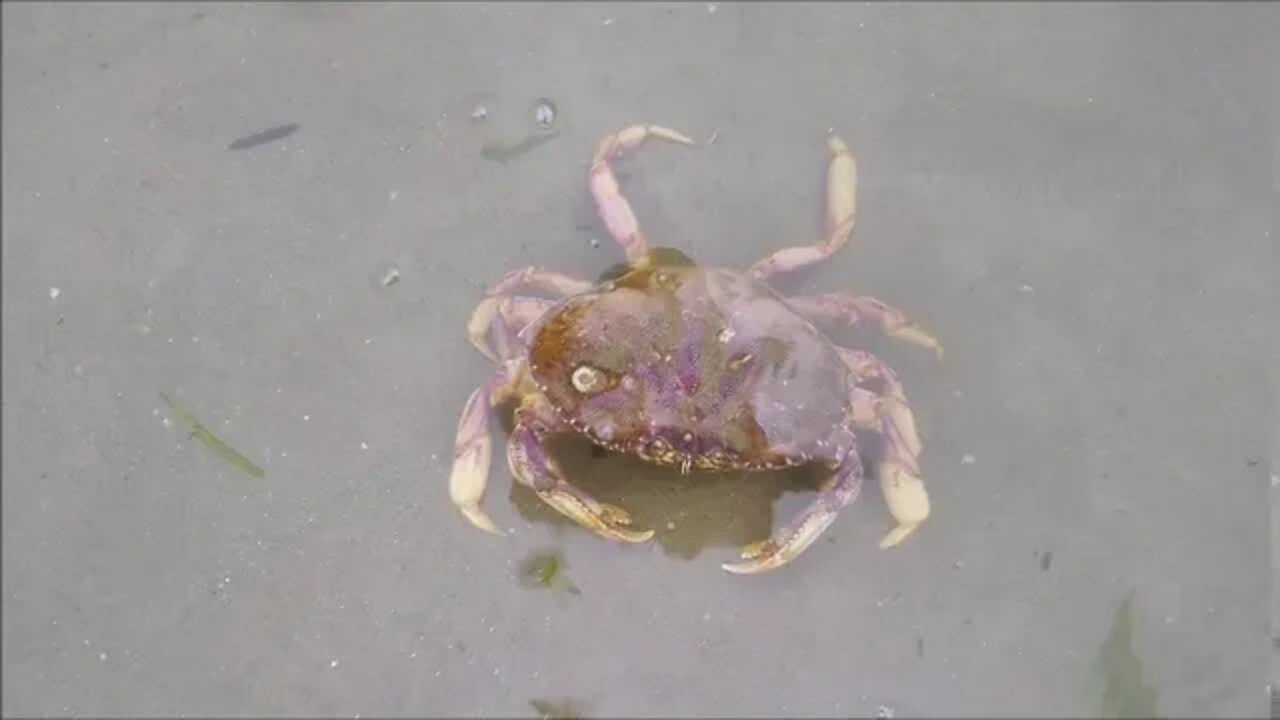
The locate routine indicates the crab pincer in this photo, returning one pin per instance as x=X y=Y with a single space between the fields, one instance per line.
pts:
x=792 y=539
x=534 y=466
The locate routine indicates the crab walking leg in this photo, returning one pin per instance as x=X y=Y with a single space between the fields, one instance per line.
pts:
x=791 y=540
x=516 y=311
x=512 y=314
x=850 y=309
x=534 y=466
x=893 y=404
x=614 y=210
x=473 y=448
x=888 y=413
x=842 y=207
x=548 y=281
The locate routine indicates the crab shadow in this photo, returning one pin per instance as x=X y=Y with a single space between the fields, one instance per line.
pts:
x=688 y=513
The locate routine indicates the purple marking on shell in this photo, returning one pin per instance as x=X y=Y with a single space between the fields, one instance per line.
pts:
x=609 y=400
x=734 y=378
x=688 y=355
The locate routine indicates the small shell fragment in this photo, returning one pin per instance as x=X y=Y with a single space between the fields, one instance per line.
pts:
x=544 y=114
x=390 y=276
x=480 y=113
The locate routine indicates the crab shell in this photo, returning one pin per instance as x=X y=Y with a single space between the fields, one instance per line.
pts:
x=695 y=368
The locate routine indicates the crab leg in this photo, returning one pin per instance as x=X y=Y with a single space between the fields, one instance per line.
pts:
x=516 y=311
x=473 y=445
x=842 y=206
x=792 y=539
x=614 y=210
x=534 y=466
x=888 y=413
x=512 y=315
x=850 y=309
x=548 y=281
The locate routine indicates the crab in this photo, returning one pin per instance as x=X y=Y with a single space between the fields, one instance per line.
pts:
x=692 y=367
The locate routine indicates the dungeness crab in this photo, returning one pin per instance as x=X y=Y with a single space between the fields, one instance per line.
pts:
x=692 y=367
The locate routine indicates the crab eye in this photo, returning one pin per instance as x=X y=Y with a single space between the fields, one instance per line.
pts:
x=587 y=379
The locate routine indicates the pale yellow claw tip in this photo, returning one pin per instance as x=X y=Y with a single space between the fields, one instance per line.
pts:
x=908 y=502
x=481 y=520
x=673 y=135
x=478 y=326
x=757 y=558
x=744 y=568
x=612 y=523
x=753 y=567
x=620 y=534
x=896 y=536
x=639 y=537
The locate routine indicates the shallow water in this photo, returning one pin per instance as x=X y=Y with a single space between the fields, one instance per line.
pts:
x=1071 y=197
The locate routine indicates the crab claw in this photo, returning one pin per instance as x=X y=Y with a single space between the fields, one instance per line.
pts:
x=787 y=543
x=770 y=554
x=473 y=449
x=603 y=519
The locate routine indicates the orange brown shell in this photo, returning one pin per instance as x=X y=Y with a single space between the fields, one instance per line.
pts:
x=698 y=368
